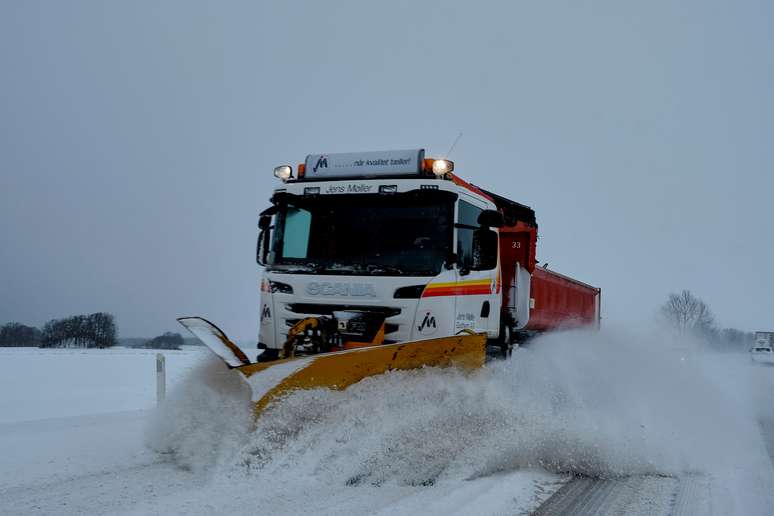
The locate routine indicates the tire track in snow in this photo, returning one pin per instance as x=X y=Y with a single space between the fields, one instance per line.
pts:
x=108 y=492
x=767 y=430
x=635 y=495
x=688 y=495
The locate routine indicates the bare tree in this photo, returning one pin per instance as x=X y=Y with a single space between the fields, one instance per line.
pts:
x=688 y=313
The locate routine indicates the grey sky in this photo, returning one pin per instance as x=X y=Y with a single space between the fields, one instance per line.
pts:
x=137 y=141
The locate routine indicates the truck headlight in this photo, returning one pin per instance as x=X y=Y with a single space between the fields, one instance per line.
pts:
x=283 y=172
x=441 y=167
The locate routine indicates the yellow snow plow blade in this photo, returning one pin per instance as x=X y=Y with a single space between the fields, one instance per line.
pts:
x=340 y=369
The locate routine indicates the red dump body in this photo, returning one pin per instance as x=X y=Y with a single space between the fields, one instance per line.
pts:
x=555 y=301
x=561 y=302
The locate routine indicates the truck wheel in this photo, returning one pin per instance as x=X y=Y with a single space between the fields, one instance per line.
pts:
x=502 y=346
x=506 y=340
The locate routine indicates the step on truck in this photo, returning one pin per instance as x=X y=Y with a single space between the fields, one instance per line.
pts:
x=367 y=253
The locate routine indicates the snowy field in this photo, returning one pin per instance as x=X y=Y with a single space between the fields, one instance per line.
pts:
x=80 y=433
x=51 y=383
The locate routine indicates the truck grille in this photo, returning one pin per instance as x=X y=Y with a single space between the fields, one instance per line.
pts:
x=317 y=309
x=323 y=309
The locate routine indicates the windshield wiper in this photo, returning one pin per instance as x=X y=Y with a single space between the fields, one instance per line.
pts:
x=354 y=268
x=376 y=269
x=297 y=267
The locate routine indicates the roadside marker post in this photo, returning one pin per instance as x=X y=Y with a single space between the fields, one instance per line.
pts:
x=161 y=378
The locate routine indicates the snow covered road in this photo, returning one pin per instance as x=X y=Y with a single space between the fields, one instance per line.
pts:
x=103 y=461
x=637 y=495
x=100 y=465
x=73 y=425
x=428 y=441
x=83 y=465
x=698 y=494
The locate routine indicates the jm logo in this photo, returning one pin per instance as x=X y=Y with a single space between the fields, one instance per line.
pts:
x=266 y=313
x=428 y=324
x=322 y=162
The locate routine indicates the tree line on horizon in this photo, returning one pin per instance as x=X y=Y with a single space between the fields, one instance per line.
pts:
x=97 y=330
x=16 y=334
x=167 y=340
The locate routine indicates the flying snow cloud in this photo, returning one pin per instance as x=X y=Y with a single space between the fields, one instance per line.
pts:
x=603 y=404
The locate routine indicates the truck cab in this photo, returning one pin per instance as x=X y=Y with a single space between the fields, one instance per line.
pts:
x=380 y=234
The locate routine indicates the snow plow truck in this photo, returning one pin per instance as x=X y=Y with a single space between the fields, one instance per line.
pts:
x=379 y=261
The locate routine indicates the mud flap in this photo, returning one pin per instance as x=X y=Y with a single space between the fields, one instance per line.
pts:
x=337 y=370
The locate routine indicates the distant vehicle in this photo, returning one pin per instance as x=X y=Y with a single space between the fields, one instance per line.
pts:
x=763 y=351
x=762 y=354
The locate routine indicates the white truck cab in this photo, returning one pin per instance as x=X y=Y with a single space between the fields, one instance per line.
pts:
x=390 y=244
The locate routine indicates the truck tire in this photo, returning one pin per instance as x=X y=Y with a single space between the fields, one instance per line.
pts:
x=506 y=340
x=502 y=346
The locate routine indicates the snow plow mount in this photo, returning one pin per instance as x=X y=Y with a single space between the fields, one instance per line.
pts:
x=344 y=330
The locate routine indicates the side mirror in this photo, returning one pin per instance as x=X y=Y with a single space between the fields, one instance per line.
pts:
x=491 y=219
x=262 y=246
x=484 y=249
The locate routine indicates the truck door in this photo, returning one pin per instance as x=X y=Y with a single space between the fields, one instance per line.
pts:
x=514 y=257
x=476 y=299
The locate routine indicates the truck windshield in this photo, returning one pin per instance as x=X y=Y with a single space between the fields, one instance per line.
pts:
x=407 y=233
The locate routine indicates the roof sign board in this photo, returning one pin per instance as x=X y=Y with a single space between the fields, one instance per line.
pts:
x=364 y=164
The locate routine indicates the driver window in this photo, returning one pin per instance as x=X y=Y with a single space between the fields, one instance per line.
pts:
x=296 y=241
x=467 y=223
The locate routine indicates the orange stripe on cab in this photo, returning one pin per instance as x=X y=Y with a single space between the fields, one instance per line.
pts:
x=462 y=288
